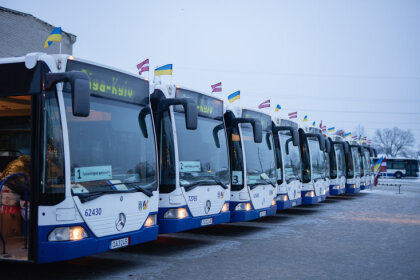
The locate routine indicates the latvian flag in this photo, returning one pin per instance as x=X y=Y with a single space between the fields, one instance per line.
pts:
x=355 y=137
x=143 y=66
x=293 y=115
x=216 y=87
x=324 y=128
x=265 y=104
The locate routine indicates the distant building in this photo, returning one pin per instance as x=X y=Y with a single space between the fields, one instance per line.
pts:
x=22 y=33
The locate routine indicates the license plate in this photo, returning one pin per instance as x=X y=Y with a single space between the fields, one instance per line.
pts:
x=263 y=214
x=119 y=243
x=294 y=203
x=206 y=222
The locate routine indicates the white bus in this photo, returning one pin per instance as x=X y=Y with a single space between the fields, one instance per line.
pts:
x=289 y=166
x=368 y=178
x=400 y=168
x=80 y=169
x=252 y=164
x=194 y=162
x=312 y=144
x=338 y=152
x=353 y=168
x=327 y=178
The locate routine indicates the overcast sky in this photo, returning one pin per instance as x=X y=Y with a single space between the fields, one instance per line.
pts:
x=342 y=62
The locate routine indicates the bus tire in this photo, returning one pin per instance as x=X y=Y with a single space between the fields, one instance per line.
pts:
x=398 y=175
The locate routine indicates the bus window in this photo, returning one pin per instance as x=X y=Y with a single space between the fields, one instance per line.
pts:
x=167 y=160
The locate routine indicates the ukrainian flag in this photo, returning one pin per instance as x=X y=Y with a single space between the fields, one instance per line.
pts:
x=234 y=96
x=55 y=36
x=347 y=134
x=305 y=118
x=164 y=70
x=331 y=129
x=313 y=124
x=278 y=107
x=378 y=164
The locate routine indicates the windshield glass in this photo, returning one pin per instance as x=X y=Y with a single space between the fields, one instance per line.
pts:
x=200 y=159
x=108 y=151
x=317 y=159
x=341 y=161
x=260 y=161
x=356 y=160
x=292 y=162
x=368 y=165
x=327 y=165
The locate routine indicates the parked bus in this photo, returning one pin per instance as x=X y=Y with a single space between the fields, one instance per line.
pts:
x=79 y=169
x=337 y=154
x=400 y=168
x=312 y=145
x=353 y=171
x=252 y=164
x=367 y=182
x=194 y=162
x=327 y=178
x=288 y=164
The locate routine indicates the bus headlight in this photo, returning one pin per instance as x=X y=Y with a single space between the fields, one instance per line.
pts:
x=273 y=203
x=151 y=221
x=225 y=207
x=243 y=206
x=282 y=197
x=310 y=194
x=74 y=233
x=176 y=213
x=299 y=195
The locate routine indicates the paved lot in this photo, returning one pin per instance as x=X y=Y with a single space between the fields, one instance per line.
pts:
x=372 y=235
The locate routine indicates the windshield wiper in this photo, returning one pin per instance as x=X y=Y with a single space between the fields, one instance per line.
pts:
x=209 y=182
x=253 y=186
x=84 y=197
x=292 y=179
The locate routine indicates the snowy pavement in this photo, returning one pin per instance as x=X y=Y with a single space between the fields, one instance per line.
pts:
x=371 y=235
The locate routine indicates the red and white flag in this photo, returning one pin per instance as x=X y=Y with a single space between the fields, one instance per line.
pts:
x=216 y=87
x=355 y=137
x=293 y=115
x=143 y=66
x=324 y=128
x=265 y=104
x=320 y=125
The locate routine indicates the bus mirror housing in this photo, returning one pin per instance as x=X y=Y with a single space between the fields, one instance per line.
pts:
x=256 y=127
x=346 y=148
x=190 y=109
x=80 y=89
x=216 y=130
x=327 y=145
x=142 y=121
x=293 y=131
x=321 y=139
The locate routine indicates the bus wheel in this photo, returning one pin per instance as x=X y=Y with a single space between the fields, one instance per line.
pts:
x=398 y=175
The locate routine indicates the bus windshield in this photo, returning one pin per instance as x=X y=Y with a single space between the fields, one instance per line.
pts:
x=260 y=163
x=291 y=158
x=200 y=159
x=327 y=165
x=108 y=151
x=368 y=166
x=317 y=159
x=356 y=160
x=341 y=161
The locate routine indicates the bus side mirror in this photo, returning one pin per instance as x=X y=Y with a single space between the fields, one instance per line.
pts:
x=256 y=127
x=287 y=145
x=321 y=141
x=295 y=135
x=327 y=145
x=216 y=130
x=80 y=89
x=346 y=148
x=268 y=142
x=142 y=120
x=190 y=109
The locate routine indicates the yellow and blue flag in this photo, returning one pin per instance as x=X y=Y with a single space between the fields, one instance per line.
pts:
x=378 y=164
x=234 y=96
x=331 y=129
x=55 y=36
x=278 y=107
x=313 y=124
x=164 y=70
x=347 y=134
x=305 y=118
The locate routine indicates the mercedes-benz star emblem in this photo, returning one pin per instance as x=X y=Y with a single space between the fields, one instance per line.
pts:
x=207 y=207
x=120 y=222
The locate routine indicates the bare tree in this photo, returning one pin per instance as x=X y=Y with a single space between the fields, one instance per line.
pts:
x=359 y=130
x=395 y=141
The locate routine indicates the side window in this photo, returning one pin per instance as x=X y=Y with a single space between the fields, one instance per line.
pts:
x=236 y=159
x=53 y=188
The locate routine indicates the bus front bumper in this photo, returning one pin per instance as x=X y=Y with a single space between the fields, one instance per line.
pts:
x=336 y=190
x=56 y=251
x=281 y=205
x=351 y=188
x=242 y=216
x=310 y=199
x=190 y=222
